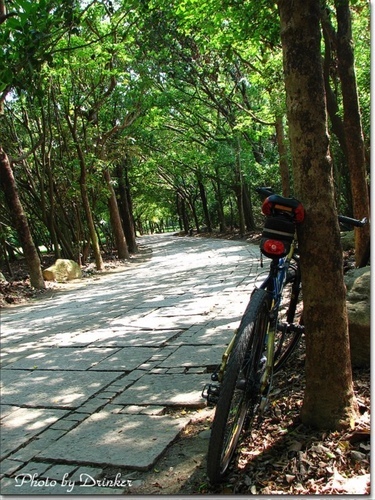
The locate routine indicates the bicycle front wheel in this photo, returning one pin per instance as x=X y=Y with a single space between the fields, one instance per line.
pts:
x=240 y=391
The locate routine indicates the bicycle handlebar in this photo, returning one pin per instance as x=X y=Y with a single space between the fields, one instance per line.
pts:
x=352 y=222
x=267 y=191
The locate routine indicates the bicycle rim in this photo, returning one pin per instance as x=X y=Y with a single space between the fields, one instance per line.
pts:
x=239 y=395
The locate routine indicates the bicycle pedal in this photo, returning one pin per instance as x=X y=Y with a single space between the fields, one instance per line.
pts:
x=211 y=393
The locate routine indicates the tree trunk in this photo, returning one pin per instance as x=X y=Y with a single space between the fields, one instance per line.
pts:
x=329 y=69
x=206 y=212
x=238 y=190
x=125 y=207
x=248 y=208
x=329 y=400
x=9 y=187
x=85 y=199
x=122 y=248
x=191 y=203
x=183 y=216
x=219 y=201
x=90 y=222
x=353 y=128
x=283 y=156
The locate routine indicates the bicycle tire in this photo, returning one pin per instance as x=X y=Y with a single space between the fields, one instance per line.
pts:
x=240 y=391
x=289 y=321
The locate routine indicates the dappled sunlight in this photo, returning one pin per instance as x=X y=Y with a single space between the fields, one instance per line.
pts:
x=64 y=358
x=28 y=420
x=64 y=389
x=166 y=389
x=115 y=349
x=125 y=440
x=21 y=425
x=208 y=270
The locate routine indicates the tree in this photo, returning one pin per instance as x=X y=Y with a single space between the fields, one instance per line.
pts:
x=122 y=248
x=329 y=401
x=9 y=187
x=197 y=92
x=353 y=128
x=339 y=53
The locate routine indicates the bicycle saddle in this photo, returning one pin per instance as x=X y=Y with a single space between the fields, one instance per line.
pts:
x=277 y=204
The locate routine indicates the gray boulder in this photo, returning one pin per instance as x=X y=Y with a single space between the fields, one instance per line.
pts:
x=358 y=282
x=62 y=270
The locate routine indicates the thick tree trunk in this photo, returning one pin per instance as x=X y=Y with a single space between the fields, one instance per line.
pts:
x=283 y=156
x=9 y=187
x=329 y=400
x=122 y=248
x=353 y=128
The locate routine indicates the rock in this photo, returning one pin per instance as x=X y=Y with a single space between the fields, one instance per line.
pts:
x=358 y=282
x=62 y=270
x=347 y=240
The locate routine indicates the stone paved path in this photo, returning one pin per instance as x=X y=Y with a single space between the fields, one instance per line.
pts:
x=87 y=376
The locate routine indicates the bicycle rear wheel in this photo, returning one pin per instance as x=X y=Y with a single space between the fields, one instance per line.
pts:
x=240 y=391
x=289 y=321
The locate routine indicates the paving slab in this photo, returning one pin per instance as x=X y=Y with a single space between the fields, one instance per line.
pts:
x=57 y=389
x=194 y=355
x=22 y=424
x=63 y=358
x=10 y=377
x=129 y=441
x=160 y=320
x=126 y=359
x=217 y=332
x=180 y=389
x=124 y=336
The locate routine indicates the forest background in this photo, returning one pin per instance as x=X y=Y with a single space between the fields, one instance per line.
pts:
x=120 y=118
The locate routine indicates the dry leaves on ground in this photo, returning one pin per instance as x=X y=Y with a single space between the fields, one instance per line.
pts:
x=282 y=456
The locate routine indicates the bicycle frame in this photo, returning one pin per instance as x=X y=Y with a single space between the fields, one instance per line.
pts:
x=274 y=284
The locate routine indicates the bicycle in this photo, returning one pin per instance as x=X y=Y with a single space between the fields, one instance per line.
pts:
x=269 y=332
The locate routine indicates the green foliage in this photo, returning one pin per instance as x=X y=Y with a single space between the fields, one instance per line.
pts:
x=186 y=91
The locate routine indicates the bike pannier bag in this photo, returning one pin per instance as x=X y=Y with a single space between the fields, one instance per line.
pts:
x=277 y=236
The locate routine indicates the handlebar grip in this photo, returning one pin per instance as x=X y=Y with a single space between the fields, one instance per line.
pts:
x=352 y=222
